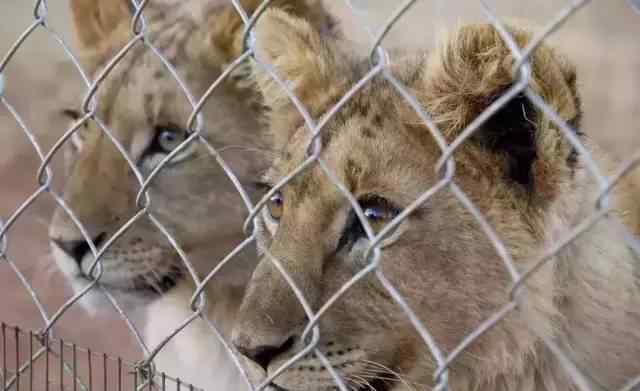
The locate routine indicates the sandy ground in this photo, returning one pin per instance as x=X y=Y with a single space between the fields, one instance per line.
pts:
x=602 y=39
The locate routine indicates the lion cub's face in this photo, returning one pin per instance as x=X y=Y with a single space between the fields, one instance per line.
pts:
x=146 y=111
x=438 y=258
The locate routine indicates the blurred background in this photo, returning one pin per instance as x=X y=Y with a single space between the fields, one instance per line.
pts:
x=603 y=39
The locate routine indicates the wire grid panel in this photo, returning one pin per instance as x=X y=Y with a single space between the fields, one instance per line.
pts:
x=42 y=345
x=66 y=366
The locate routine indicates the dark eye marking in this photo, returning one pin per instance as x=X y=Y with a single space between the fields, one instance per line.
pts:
x=71 y=114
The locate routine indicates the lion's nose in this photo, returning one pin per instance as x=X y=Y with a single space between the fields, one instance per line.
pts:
x=77 y=249
x=262 y=355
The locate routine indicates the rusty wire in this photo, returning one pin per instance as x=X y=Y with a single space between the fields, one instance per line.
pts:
x=44 y=342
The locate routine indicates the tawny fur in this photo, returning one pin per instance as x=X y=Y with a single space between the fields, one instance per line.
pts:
x=586 y=299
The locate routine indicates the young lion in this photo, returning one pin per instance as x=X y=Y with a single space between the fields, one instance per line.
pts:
x=142 y=105
x=519 y=171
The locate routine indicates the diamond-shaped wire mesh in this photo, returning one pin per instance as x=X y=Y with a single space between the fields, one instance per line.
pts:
x=39 y=360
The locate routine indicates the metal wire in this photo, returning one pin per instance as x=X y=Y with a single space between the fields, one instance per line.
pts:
x=42 y=344
x=111 y=372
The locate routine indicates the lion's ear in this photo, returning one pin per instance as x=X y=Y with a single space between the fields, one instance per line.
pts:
x=472 y=70
x=225 y=28
x=297 y=53
x=101 y=28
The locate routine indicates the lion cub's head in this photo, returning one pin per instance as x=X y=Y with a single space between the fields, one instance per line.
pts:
x=514 y=169
x=146 y=111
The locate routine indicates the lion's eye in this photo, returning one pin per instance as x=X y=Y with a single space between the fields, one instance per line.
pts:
x=275 y=206
x=165 y=141
x=378 y=211
x=168 y=139
x=77 y=138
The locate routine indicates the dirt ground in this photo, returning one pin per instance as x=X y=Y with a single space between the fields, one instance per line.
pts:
x=602 y=39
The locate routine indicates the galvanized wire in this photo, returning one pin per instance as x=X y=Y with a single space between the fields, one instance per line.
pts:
x=379 y=68
x=111 y=372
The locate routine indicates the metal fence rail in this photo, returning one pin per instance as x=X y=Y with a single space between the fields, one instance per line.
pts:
x=19 y=366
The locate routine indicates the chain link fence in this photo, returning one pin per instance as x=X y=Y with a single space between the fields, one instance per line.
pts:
x=38 y=360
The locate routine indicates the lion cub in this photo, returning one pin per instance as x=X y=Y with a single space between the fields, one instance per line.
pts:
x=519 y=171
x=146 y=111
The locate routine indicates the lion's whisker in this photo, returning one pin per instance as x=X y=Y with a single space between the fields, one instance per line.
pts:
x=364 y=382
x=152 y=283
x=351 y=381
x=399 y=377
